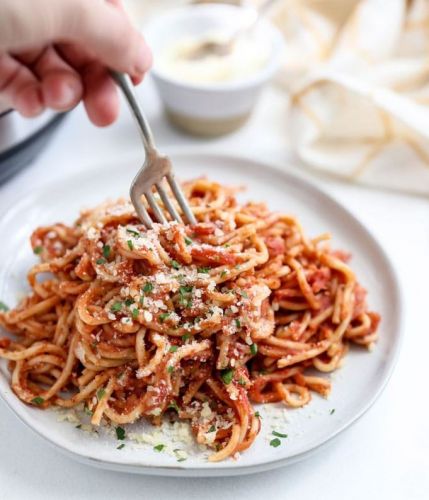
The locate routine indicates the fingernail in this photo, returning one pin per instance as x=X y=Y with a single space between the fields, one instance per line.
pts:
x=67 y=96
x=144 y=60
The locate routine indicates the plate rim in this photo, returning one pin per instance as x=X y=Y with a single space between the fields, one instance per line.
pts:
x=212 y=470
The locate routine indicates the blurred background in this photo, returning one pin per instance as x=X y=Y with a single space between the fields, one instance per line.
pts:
x=344 y=93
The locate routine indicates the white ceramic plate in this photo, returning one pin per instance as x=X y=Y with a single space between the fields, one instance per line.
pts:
x=355 y=386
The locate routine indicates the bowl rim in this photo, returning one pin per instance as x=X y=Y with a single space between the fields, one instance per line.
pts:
x=254 y=80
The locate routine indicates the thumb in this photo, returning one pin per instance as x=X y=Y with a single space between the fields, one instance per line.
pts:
x=105 y=30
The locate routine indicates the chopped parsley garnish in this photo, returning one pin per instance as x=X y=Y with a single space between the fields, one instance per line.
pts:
x=226 y=245
x=203 y=270
x=275 y=442
x=128 y=302
x=188 y=241
x=38 y=400
x=173 y=406
x=227 y=375
x=173 y=348
x=253 y=349
x=244 y=294
x=88 y=411
x=186 y=337
x=38 y=250
x=241 y=381
x=175 y=264
x=120 y=433
x=185 y=299
x=159 y=447
x=134 y=233
x=223 y=274
x=237 y=323
x=100 y=394
x=212 y=429
x=120 y=446
x=162 y=317
x=106 y=251
x=257 y=414
x=147 y=288
x=279 y=434
x=130 y=245
x=170 y=369
x=332 y=411
x=3 y=306
x=117 y=306
x=135 y=313
x=100 y=261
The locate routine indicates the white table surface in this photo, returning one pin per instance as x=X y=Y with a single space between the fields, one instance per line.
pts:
x=384 y=455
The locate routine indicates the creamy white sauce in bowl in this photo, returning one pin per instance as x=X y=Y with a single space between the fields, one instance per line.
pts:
x=246 y=57
x=215 y=94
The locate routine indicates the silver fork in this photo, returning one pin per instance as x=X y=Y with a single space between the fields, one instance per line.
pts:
x=155 y=168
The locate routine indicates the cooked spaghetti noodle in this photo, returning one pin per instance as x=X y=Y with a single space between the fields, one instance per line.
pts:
x=197 y=322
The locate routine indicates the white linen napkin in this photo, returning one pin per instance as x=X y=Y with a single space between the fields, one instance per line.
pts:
x=358 y=76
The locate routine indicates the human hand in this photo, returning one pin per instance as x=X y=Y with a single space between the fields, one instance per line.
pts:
x=55 y=53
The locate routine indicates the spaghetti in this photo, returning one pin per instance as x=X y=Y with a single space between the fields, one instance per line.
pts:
x=197 y=322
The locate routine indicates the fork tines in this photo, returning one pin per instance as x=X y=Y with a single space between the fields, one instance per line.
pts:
x=167 y=202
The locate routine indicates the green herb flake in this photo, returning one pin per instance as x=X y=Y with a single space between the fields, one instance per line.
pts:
x=332 y=411
x=170 y=369
x=122 y=445
x=275 y=442
x=203 y=270
x=89 y=412
x=241 y=381
x=120 y=433
x=244 y=294
x=188 y=241
x=253 y=349
x=162 y=317
x=100 y=394
x=129 y=302
x=117 y=306
x=212 y=429
x=279 y=434
x=3 y=306
x=175 y=264
x=106 y=251
x=38 y=250
x=185 y=298
x=159 y=447
x=257 y=414
x=130 y=245
x=237 y=323
x=78 y=426
x=38 y=400
x=227 y=375
x=173 y=406
x=173 y=348
x=134 y=233
x=223 y=274
x=186 y=337
x=135 y=313
x=100 y=261
x=147 y=288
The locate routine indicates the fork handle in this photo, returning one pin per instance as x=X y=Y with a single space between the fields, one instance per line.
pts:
x=124 y=82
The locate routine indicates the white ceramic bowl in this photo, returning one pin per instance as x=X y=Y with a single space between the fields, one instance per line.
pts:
x=210 y=108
